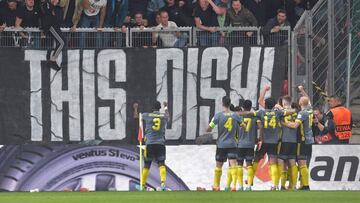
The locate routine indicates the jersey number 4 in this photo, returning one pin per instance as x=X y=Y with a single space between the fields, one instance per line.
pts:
x=229 y=124
x=157 y=123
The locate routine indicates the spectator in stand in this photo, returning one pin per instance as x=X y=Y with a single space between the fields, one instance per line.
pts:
x=51 y=20
x=222 y=20
x=72 y=12
x=169 y=39
x=258 y=8
x=93 y=16
x=272 y=29
x=116 y=11
x=206 y=20
x=8 y=14
x=137 y=6
x=27 y=16
x=7 y=19
x=187 y=8
x=157 y=19
x=139 y=38
x=153 y=8
x=239 y=16
x=176 y=13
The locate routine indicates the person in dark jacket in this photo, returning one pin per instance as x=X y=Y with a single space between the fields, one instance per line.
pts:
x=272 y=31
x=51 y=24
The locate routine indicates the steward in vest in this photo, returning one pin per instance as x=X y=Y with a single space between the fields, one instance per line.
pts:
x=339 y=122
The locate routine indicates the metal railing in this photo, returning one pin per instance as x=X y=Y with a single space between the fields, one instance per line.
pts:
x=165 y=37
x=354 y=61
x=144 y=37
x=320 y=53
x=82 y=38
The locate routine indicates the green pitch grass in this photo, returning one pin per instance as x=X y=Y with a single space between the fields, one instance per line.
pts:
x=182 y=197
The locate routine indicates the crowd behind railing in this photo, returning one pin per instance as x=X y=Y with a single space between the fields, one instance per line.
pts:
x=142 y=23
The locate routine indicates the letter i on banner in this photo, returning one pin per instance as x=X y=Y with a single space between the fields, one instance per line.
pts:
x=140 y=137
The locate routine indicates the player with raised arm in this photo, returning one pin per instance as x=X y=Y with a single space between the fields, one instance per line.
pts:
x=270 y=119
x=155 y=126
x=304 y=121
x=227 y=123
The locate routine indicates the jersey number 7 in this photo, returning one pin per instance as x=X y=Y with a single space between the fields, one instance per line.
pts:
x=248 y=124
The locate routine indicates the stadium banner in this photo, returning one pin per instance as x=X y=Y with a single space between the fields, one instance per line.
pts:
x=189 y=167
x=92 y=97
x=335 y=167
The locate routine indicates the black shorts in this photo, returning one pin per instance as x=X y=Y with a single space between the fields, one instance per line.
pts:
x=245 y=154
x=304 y=151
x=155 y=152
x=222 y=154
x=288 y=151
x=270 y=149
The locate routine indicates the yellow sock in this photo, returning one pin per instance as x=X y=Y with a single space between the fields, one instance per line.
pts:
x=145 y=175
x=255 y=165
x=217 y=176
x=229 y=178
x=162 y=174
x=282 y=175
x=304 y=171
x=233 y=171
x=301 y=181
x=293 y=176
x=250 y=175
x=240 y=175
x=289 y=177
x=274 y=174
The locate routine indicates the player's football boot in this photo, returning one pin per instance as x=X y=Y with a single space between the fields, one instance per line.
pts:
x=248 y=189
x=273 y=188
x=215 y=188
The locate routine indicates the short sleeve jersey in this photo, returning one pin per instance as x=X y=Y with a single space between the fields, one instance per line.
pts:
x=289 y=135
x=227 y=123
x=155 y=126
x=305 y=118
x=271 y=124
x=248 y=136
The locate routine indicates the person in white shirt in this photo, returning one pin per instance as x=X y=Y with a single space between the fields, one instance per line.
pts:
x=93 y=16
x=171 y=38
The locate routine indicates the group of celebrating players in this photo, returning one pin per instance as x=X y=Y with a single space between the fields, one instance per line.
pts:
x=285 y=135
x=282 y=130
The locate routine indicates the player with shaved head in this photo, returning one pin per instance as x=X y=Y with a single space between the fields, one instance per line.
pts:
x=304 y=122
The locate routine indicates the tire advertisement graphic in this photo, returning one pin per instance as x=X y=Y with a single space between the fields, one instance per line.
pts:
x=72 y=167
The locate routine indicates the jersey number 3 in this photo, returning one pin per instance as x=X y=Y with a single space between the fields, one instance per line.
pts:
x=157 y=123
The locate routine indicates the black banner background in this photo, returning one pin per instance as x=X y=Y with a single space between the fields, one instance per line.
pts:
x=140 y=86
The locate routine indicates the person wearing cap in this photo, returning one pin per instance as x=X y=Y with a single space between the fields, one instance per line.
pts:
x=50 y=23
